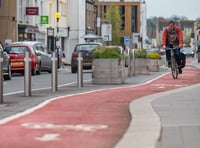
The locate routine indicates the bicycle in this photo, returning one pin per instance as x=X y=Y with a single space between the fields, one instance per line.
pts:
x=174 y=65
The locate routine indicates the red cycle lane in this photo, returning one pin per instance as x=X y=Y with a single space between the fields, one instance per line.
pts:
x=89 y=120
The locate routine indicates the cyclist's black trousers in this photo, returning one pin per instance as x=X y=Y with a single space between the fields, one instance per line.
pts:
x=177 y=55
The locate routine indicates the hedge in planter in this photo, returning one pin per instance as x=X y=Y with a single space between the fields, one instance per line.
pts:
x=154 y=61
x=108 y=66
x=140 y=53
x=141 y=62
x=103 y=52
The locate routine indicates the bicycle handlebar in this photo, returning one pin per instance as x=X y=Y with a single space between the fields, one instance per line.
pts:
x=168 y=48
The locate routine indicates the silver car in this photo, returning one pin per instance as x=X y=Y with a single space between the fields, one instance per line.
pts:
x=6 y=64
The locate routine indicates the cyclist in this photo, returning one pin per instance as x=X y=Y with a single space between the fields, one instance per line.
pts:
x=173 y=37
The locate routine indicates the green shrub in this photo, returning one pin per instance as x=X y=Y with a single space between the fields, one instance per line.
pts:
x=103 y=52
x=153 y=55
x=140 y=53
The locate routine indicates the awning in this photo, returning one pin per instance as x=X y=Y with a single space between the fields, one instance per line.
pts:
x=91 y=36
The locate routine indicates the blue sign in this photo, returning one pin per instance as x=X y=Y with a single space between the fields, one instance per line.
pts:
x=126 y=40
x=147 y=41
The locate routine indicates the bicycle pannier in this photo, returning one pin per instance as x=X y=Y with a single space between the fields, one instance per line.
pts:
x=183 y=59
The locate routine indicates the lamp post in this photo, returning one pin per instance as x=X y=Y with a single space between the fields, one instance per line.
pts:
x=57 y=16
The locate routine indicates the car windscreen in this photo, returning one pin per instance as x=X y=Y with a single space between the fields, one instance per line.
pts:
x=17 y=50
x=82 y=48
x=187 y=50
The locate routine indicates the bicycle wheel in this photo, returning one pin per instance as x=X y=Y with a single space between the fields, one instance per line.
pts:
x=174 y=68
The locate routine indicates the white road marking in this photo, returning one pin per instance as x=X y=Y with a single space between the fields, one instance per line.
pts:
x=48 y=137
x=78 y=127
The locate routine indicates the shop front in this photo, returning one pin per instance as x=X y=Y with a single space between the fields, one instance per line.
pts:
x=27 y=32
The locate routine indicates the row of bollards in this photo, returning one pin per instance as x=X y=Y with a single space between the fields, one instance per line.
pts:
x=131 y=65
x=28 y=73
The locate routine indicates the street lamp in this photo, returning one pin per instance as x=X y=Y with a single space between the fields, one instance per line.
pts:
x=57 y=16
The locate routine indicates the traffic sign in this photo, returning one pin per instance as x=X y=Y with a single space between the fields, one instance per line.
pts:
x=135 y=38
x=126 y=40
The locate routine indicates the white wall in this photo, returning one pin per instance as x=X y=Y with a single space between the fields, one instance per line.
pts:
x=76 y=22
x=143 y=19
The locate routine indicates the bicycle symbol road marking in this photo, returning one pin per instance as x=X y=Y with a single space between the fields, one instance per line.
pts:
x=78 y=127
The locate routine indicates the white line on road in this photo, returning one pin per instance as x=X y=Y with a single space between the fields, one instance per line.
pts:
x=48 y=137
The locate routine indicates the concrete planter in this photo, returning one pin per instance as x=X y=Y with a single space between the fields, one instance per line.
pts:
x=141 y=66
x=154 y=65
x=108 y=71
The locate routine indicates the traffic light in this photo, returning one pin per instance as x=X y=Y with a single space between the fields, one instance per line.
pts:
x=139 y=38
x=198 y=32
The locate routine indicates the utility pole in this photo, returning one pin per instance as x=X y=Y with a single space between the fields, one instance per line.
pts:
x=57 y=16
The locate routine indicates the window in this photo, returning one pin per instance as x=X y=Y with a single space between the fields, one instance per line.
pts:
x=122 y=15
x=134 y=18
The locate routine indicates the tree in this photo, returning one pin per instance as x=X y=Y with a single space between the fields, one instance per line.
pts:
x=178 y=18
x=151 y=25
x=113 y=17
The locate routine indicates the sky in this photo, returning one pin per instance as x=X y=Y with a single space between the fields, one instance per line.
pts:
x=168 y=8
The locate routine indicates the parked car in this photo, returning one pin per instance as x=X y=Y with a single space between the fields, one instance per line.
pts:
x=188 y=51
x=17 y=55
x=6 y=64
x=86 y=49
x=43 y=53
x=161 y=51
x=152 y=50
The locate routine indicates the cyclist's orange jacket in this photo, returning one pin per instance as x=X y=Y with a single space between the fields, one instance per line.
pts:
x=179 y=33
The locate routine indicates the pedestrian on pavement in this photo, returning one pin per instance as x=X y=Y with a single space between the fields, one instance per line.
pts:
x=173 y=37
x=198 y=53
x=61 y=56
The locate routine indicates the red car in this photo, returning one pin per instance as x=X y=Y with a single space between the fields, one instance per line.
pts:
x=17 y=55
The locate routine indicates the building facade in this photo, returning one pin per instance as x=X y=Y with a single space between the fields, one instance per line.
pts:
x=78 y=18
x=19 y=20
x=133 y=17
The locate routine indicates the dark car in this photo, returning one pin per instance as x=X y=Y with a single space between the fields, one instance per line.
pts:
x=188 y=51
x=17 y=55
x=86 y=49
x=42 y=52
x=6 y=64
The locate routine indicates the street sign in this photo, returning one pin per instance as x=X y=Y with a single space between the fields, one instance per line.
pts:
x=31 y=10
x=106 y=32
x=44 y=19
x=126 y=40
x=135 y=38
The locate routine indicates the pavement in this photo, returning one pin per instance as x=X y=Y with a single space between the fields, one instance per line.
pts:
x=149 y=111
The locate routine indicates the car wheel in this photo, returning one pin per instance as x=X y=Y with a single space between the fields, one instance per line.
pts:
x=49 y=71
x=34 y=71
x=38 y=70
x=9 y=75
x=73 y=69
